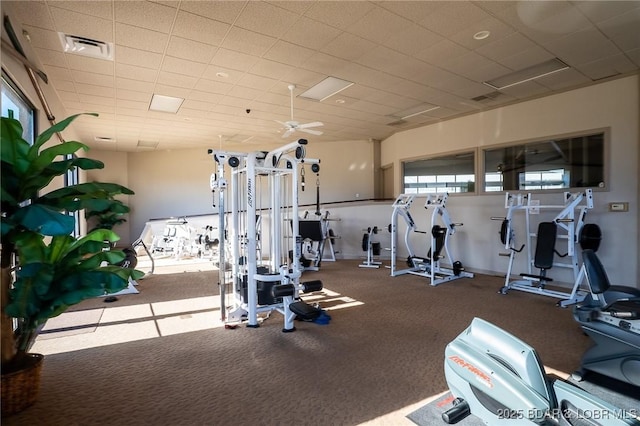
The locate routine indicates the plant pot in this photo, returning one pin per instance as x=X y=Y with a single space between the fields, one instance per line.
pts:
x=20 y=388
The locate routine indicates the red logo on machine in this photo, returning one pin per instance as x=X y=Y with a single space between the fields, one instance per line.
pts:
x=480 y=375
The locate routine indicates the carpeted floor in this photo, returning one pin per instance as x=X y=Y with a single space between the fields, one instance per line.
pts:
x=164 y=359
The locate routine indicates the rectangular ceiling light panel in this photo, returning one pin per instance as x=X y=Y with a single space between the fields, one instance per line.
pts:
x=325 y=89
x=165 y=103
x=527 y=74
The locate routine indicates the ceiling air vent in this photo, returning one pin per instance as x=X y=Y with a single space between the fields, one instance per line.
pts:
x=86 y=46
x=487 y=97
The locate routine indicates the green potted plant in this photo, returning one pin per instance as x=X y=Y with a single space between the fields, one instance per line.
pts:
x=45 y=269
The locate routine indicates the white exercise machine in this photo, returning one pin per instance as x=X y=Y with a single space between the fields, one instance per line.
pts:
x=565 y=226
x=442 y=229
x=262 y=285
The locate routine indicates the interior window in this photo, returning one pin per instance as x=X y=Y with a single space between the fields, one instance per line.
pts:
x=449 y=173
x=573 y=162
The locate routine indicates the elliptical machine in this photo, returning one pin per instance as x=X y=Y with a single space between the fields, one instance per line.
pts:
x=610 y=315
x=500 y=379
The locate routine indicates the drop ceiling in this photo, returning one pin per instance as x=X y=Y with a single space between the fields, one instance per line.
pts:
x=412 y=63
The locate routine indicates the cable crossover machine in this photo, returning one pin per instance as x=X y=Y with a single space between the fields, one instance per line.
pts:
x=260 y=284
x=442 y=229
x=566 y=226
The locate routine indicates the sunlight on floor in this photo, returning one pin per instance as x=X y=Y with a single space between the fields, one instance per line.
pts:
x=76 y=330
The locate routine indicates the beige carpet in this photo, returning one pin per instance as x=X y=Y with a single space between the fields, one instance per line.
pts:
x=380 y=357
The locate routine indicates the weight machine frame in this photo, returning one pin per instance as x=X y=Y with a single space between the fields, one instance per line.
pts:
x=242 y=234
x=429 y=267
x=570 y=219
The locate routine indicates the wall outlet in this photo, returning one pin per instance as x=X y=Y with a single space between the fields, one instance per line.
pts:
x=619 y=207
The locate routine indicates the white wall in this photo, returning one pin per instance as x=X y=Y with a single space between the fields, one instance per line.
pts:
x=176 y=183
x=613 y=104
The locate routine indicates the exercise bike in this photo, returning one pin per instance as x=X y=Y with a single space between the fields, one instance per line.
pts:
x=500 y=379
x=610 y=315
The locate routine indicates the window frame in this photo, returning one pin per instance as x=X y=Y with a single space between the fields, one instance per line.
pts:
x=438 y=156
x=15 y=88
x=606 y=132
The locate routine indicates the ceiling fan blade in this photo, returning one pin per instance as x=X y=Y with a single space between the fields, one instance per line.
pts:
x=282 y=123
x=307 y=125
x=288 y=133
x=313 y=132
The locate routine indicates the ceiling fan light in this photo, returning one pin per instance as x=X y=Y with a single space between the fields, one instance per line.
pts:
x=326 y=88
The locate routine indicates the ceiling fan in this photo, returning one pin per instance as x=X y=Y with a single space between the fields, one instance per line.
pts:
x=293 y=125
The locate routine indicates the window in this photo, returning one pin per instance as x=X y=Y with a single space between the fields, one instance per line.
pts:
x=451 y=173
x=16 y=105
x=568 y=162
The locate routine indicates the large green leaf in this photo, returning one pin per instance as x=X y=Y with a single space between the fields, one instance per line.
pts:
x=47 y=155
x=46 y=135
x=14 y=148
x=41 y=218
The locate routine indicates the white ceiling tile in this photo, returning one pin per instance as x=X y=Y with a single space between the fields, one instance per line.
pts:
x=265 y=18
x=100 y=9
x=440 y=52
x=176 y=80
x=97 y=100
x=224 y=11
x=51 y=57
x=85 y=63
x=452 y=17
x=137 y=57
x=140 y=105
x=213 y=86
x=65 y=85
x=89 y=89
x=598 y=11
x=623 y=29
x=34 y=12
x=136 y=73
x=248 y=42
x=124 y=83
x=271 y=69
x=197 y=105
x=152 y=16
x=233 y=59
x=200 y=29
x=378 y=25
x=78 y=24
x=68 y=96
x=213 y=98
x=183 y=66
x=311 y=34
x=140 y=38
x=324 y=63
x=189 y=49
x=339 y=14
x=412 y=39
x=44 y=39
x=348 y=46
x=415 y=11
x=582 y=47
x=242 y=92
x=130 y=95
x=287 y=53
x=92 y=78
x=256 y=82
x=607 y=67
x=504 y=47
